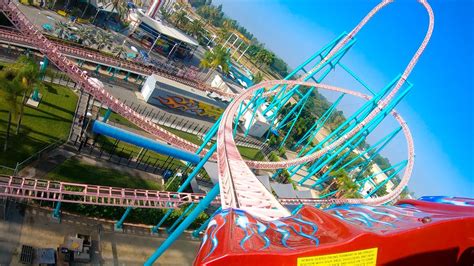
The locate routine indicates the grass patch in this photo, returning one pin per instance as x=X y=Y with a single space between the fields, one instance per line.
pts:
x=124 y=122
x=184 y=135
x=247 y=153
x=124 y=150
x=116 y=118
x=40 y=126
x=73 y=170
x=251 y=153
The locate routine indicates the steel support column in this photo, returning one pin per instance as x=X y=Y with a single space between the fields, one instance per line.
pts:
x=184 y=225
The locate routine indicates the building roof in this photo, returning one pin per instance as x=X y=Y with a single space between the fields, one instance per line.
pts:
x=45 y=256
x=168 y=31
x=283 y=190
x=176 y=88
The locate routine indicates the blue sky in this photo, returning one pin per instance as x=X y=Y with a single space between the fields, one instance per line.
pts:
x=439 y=109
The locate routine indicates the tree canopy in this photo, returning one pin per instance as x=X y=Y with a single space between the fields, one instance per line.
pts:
x=257 y=51
x=218 y=56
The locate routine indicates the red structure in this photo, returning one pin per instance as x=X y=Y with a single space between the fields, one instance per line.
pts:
x=413 y=232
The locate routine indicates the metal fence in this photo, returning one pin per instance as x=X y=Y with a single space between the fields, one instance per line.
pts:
x=144 y=160
x=37 y=155
x=183 y=124
x=20 y=165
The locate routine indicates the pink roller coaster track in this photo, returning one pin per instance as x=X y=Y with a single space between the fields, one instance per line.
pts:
x=184 y=77
x=39 y=189
x=239 y=186
x=21 y=187
x=54 y=54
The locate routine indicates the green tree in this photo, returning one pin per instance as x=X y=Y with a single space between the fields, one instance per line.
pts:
x=282 y=151
x=197 y=3
x=229 y=24
x=165 y=14
x=273 y=157
x=279 y=66
x=264 y=57
x=405 y=194
x=218 y=56
x=194 y=28
x=223 y=34
x=12 y=89
x=381 y=191
x=180 y=19
x=28 y=76
x=257 y=78
x=210 y=14
x=346 y=187
x=86 y=36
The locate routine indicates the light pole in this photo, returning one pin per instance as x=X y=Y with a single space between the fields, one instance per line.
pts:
x=238 y=59
x=211 y=40
x=153 y=45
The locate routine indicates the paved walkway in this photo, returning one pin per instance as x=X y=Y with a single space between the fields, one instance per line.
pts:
x=35 y=227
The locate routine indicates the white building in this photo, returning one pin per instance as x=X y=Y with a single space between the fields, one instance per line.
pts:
x=257 y=125
x=160 y=91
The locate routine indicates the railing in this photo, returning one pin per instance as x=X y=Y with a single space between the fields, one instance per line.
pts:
x=39 y=189
x=146 y=161
x=37 y=155
x=5 y=170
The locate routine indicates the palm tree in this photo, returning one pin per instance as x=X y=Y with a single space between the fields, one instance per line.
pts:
x=28 y=76
x=223 y=34
x=195 y=27
x=219 y=56
x=165 y=14
x=122 y=8
x=12 y=88
x=345 y=186
x=180 y=19
x=257 y=78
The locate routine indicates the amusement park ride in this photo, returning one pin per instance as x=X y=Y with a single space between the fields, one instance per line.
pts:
x=253 y=227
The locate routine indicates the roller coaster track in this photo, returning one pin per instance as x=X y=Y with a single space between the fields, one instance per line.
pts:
x=239 y=186
x=54 y=54
x=41 y=189
x=28 y=188
x=182 y=76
